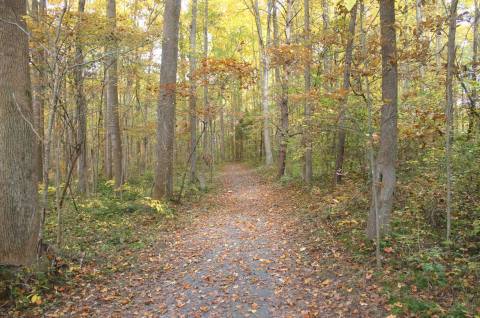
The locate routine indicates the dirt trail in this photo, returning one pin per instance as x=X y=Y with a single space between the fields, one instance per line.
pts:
x=243 y=258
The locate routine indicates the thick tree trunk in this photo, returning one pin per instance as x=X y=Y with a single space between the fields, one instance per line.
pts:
x=167 y=102
x=193 y=94
x=451 y=52
x=112 y=97
x=19 y=213
x=385 y=172
x=342 y=133
x=81 y=106
x=306 y=140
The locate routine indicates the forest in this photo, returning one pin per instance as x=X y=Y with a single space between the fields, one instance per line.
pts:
x=239 y=158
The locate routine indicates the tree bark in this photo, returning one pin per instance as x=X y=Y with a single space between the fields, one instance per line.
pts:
x=449 y=109
x=19 y=213
x=307 y=142
x=222 y=122
x=193 y=93
x=167 y=102
x=419 y=25
x=342 y=133
x=112 y=97
x=284 y=83
x=263 y=47
x=326 y=54
x=473 y=105
x=39 y=57
x=107 y=157
x=81 y=105
x=385 y=172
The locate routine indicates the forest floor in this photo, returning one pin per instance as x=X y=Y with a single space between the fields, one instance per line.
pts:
x=247 y=251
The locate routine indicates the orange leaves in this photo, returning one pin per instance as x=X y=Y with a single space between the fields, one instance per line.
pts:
x=388 y=250
x=288 y=55
x=220 y=71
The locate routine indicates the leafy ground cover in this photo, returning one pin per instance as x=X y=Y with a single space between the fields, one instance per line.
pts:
x=422 y=275
x=253 y=247
x=101 y=235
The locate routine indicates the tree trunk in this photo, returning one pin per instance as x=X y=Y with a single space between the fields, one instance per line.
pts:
x=167 y=102
x=193 y=94
x=420 y=36
x=326 y=53
x=451 y=52
x=107 y=158
x=222 y=123
x=39 y=86
x=385 y=172
x=112 y=97
x=263 y=47
x=19 y=213
x=438 y=40
x=473 y=105
x=307 y=142
x=81 y=105
x=342 y=134
x=284 y=83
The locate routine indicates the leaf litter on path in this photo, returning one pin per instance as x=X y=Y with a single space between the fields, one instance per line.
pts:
x=246 y=257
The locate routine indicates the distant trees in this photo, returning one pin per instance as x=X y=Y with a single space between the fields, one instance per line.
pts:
x=167 y=102
x=288 y=92
x=19 y=213
x=347 y=69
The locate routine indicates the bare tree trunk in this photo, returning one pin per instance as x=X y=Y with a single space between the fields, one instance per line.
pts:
x=385 y=172
x=107 y=158
x=58 y=188
x=222 y=123
x=167 y=102
x=207 y=154
x=326 y=53
x=39 y=86
x=19 y=213
x=112 y=97
x=343 y=103
x=438 y=41
x=284 y=83
x=473 y=105
x=419 y=22
x=263 y=47
x=451 y=52
x=193 y=93
x=81 y=105
x=306 y=140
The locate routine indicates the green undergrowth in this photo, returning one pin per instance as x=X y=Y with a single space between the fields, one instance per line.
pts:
x=422 y=275
x=102 y=233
